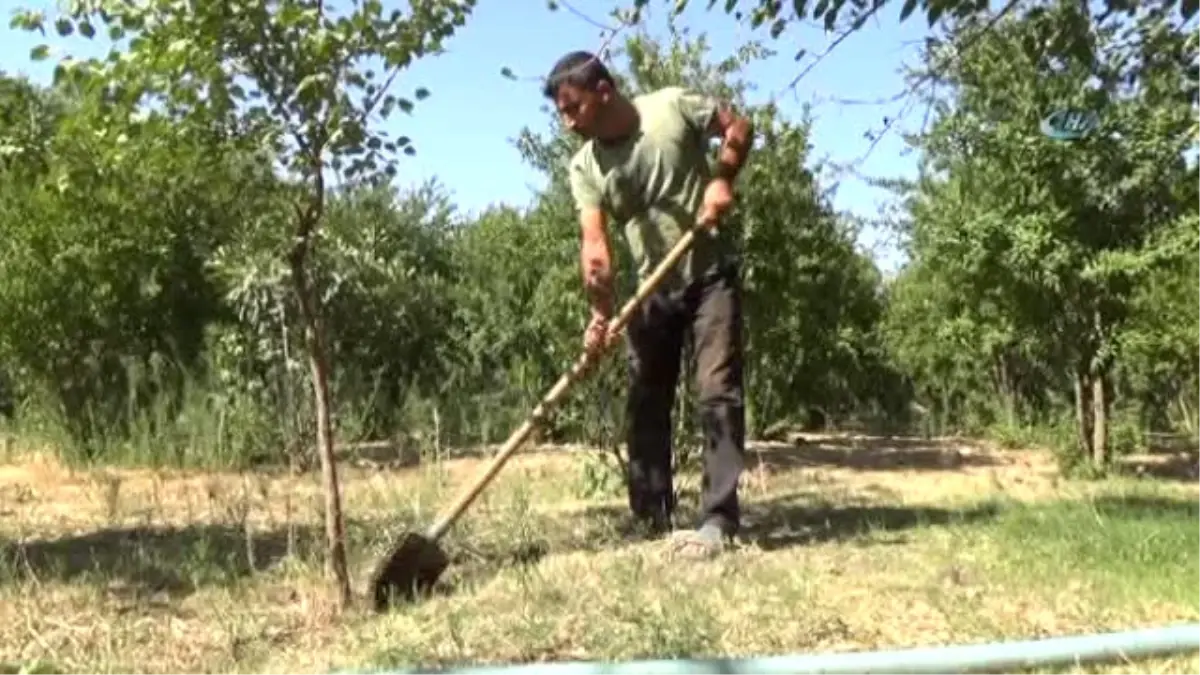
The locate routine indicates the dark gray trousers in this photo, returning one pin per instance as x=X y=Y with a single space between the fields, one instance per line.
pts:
x=710 y=310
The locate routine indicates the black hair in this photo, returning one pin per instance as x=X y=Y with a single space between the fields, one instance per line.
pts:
x=578 y=69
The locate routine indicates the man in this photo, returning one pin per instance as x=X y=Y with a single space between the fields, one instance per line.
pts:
x=645 y=166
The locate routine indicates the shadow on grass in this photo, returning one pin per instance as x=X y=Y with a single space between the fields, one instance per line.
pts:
x=802 y=518
x=797 y=519
x=475 y=566
x=1145 y=507
x=869 y=454
x=1178 y=466
x=474 y=560
x=177 y=561
x=1169 y=443
x=172 y=560
x=792 y=519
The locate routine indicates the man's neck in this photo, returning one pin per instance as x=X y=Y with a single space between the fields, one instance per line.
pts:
x=625 y=121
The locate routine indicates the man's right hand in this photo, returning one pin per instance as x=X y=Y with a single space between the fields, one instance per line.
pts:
x=718 y=197
x=595 y=336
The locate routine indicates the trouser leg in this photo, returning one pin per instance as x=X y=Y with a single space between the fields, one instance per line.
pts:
x=718 y=354
x=654 y=338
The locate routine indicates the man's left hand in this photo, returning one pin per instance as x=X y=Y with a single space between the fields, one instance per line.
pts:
x=718 y=197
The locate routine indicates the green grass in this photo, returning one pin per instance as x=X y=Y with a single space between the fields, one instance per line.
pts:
x=1136 y=547
x=861 y=545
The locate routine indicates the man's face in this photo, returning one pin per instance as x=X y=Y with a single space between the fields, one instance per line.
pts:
x=581 y=109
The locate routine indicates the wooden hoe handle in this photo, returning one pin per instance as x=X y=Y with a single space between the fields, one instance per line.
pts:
x=576 y=373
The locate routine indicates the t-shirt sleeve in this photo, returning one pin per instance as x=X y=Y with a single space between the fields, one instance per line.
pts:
x=583 y=185
x=697 y=108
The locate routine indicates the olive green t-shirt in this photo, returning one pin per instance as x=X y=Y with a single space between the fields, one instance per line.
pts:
x=653 y=183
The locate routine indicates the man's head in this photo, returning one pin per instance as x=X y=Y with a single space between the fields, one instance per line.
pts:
x=582 y=90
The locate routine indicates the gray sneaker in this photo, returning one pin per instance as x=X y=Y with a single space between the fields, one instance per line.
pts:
x=707 y=541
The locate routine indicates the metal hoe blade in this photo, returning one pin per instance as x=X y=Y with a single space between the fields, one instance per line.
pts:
x=411 y=570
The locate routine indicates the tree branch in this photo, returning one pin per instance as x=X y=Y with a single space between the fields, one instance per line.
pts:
x=929 y=77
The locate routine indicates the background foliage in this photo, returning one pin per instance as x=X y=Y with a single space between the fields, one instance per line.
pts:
x=1050 y=293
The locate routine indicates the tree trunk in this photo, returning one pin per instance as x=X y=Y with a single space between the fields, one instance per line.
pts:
x=1004 y=387
x=308 y=217
x=1101 y=404
x=1185 y=412
x=289 y=417
x=1101 y=392
x=1084 y=411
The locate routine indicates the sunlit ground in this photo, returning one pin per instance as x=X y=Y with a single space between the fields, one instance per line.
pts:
x=850 y=544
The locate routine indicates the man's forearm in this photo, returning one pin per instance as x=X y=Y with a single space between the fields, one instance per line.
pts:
x=735 y=147
x=597 y=275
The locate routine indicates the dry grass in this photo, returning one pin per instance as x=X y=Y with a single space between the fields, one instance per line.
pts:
x=850 y=544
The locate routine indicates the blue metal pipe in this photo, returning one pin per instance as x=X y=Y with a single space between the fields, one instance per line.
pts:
x=994 y=657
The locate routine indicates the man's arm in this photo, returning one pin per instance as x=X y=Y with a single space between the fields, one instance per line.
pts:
x=595 y=256
x=714 y=118
x=596 y=261
x=736 y=133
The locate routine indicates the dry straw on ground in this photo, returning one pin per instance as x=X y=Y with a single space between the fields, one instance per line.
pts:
x=851 y=543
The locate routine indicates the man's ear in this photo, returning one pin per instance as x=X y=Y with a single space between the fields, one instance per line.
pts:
x=604 y=91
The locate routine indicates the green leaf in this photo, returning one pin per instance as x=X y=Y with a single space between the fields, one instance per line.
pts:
x=422 y=93
x=936 y=9
x=28 y=20
x=387 y=105
x=907 y=9
x=64 y=26
x=39 y=53
x=832 y=15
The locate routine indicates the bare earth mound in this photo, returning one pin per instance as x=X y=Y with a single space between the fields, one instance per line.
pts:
x=850 y=543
